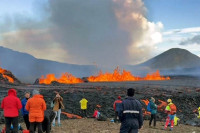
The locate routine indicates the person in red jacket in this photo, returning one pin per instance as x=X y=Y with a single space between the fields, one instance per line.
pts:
x=11 y=105
x=117 y=106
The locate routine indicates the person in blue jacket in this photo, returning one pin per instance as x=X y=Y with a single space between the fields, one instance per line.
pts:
x=25 y=113
x=131 y=115
x=153 y=111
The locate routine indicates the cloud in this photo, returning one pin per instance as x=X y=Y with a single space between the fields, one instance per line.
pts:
x=193 y=40
x=183 y=31
x=38 y=42
x=108 y=32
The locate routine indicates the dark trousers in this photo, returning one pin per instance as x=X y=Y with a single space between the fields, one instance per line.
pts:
x=126 y=129
x=153 y=117
x=116 y=116
x=84 y=113
x=14 y=122
x=32 y=127
x=26 y=120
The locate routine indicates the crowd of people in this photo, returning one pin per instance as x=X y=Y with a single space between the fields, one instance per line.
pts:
x=127 y=111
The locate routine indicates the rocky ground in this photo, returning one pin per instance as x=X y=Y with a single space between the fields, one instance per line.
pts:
x=94 y=126
x=185 y=93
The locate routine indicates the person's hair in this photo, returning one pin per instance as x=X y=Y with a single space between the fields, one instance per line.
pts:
x=153 y=99
x=27 y=92
x=131 y=92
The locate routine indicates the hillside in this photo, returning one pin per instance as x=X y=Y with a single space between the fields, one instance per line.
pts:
x=173 y=58
x=174 y=61
x=27 y=68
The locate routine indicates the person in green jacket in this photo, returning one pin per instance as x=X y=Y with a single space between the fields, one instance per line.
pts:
x=153 y=107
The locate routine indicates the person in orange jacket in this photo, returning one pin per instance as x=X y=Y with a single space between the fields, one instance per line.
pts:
x=36 y=107
x=117 y=106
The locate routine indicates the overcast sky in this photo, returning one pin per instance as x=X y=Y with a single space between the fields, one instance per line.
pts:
x=102 y=32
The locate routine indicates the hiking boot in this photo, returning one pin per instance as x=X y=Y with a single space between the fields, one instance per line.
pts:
x=53 y=124
x=59 y=124
x=170 y=129
x=164 y=128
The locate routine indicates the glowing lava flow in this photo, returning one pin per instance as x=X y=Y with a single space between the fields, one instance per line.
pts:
x=118 y=76
x=66 y=78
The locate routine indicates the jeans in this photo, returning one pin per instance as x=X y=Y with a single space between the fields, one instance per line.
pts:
x=32 y=127
x=14 y=122
x=57 y=115
x=26 y=120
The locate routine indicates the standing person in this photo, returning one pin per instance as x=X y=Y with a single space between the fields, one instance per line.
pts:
x=131 y=116
x=24 y=111
x=36 y=107
x=171 y=112
x=117 y=107
x=153 y=107
x=11 y=105
x=58 y=105
x=83 y=104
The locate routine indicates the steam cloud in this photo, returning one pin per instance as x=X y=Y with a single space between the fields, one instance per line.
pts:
x=108 y=32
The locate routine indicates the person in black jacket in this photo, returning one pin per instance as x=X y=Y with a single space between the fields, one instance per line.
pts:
x=49 y=115
x=130 y=115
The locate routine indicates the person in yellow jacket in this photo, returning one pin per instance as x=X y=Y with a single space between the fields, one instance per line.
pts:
x=83 y=104
x=199 y=112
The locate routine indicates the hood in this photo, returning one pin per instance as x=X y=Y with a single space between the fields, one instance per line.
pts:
x=12 y=92
x=38 y=96
x=151 y=101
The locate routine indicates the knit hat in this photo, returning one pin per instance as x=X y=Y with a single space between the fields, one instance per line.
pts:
x=35 y=92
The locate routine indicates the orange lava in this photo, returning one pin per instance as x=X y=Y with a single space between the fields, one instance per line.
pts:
x=118 y=76
x=66 y=78
x=3 y=71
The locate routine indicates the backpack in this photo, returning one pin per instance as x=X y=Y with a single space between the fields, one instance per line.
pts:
x=173 y=108
x=149 y=107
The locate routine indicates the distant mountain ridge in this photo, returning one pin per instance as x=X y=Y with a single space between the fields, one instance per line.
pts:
x=27 y=68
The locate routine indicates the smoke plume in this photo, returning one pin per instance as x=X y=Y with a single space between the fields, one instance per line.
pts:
x=107 y=32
